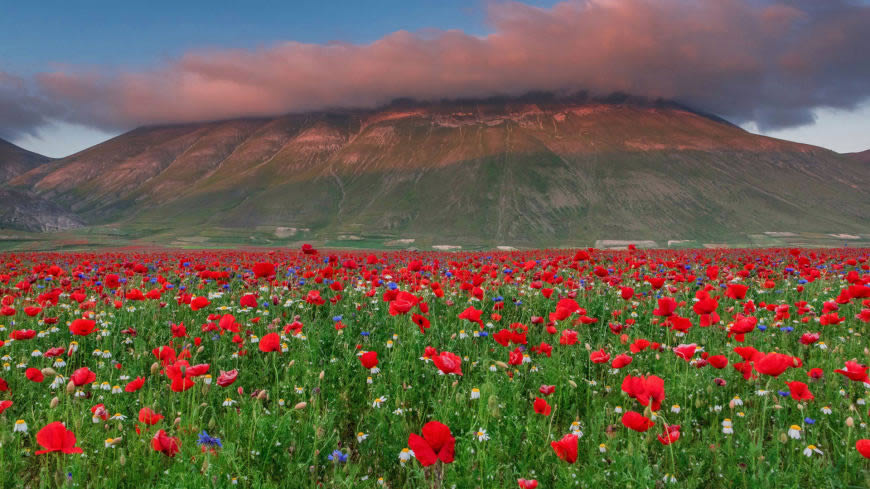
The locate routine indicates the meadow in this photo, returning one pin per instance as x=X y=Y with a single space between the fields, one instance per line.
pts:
x=158 y=368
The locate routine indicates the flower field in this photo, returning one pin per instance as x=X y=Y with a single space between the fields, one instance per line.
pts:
x=325 y=368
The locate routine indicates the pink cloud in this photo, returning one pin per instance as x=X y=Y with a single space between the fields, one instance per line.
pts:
x=771 y=62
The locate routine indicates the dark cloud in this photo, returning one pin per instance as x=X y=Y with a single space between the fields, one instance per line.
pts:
x=746 y=60
x=22 y=111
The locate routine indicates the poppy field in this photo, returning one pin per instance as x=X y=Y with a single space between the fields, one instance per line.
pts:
x=330 y=368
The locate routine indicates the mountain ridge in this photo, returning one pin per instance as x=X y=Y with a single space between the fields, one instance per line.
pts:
x=534 y=170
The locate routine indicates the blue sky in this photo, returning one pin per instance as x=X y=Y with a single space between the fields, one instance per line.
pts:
x=38 y=37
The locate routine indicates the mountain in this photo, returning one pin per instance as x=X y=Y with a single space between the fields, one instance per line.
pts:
x=863 y=156
x=22 y=209
x=14 y=161
x=531 y=171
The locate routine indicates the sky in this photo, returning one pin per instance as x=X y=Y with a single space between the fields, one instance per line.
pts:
x=75 y=74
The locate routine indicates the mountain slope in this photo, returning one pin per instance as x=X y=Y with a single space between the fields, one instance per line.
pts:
x=24 y=210
x=15 y=160
x=863 y=156
x=534 y=171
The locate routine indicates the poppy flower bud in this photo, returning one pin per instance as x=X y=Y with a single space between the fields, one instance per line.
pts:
x=54 y=402
x=501 y=364
x=200 y=349
x=177 y=421
x=155 y=367
x=850 y=422
x=70 y=387
x=783 y=438
x=291 y=363
x=48 y=371
x=263 y=395
x=301 y=405
x=455 y=383
x=322 y=373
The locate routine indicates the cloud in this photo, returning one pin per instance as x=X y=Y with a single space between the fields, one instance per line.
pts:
x=768 y=62
x=22 y=110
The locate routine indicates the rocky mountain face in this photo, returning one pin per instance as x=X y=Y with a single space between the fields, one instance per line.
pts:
x=22 y=209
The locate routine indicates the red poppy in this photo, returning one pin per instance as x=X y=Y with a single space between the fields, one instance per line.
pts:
x=542 y=406
x=54 y=437
x=527 y=483
x=686 y=352
x=774 y=364
x=547 y=389
x=854 y=371
x=636 y=421
x=473 y=315
x=32 y=311
x=134 y=385
x=810 y=338
x=314 y=298
x=421 y=321
x=437 y=443
x=198 y=303
x=34 y=375
x=149 y=416
x=671 y=434
x=264 y=270
x=863 y=447
x=4 y=405
x=667 y=306
x=621 y=360
x=566 y=448
x=3 y=385
x=22 y=334
x=369 y=359
x=167 y=445
x=799 y=391
x=182 y=374
x=718 y=361
x=83 y=376
x=226 y=379
x=736 y=291
x=112 y=281
x=270 y=342
x=82 y=327
x=646 y=390
x=599 y=356
x=448 y=363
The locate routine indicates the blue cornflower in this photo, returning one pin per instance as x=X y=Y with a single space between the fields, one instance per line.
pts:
x=762 y=327
x=784 y=393
x=337 y=456
x=209 y=441
x=337 y=318
x=809 y=421
x=364 y=333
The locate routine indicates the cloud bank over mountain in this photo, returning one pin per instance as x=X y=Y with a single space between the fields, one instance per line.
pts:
x=768 y=62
